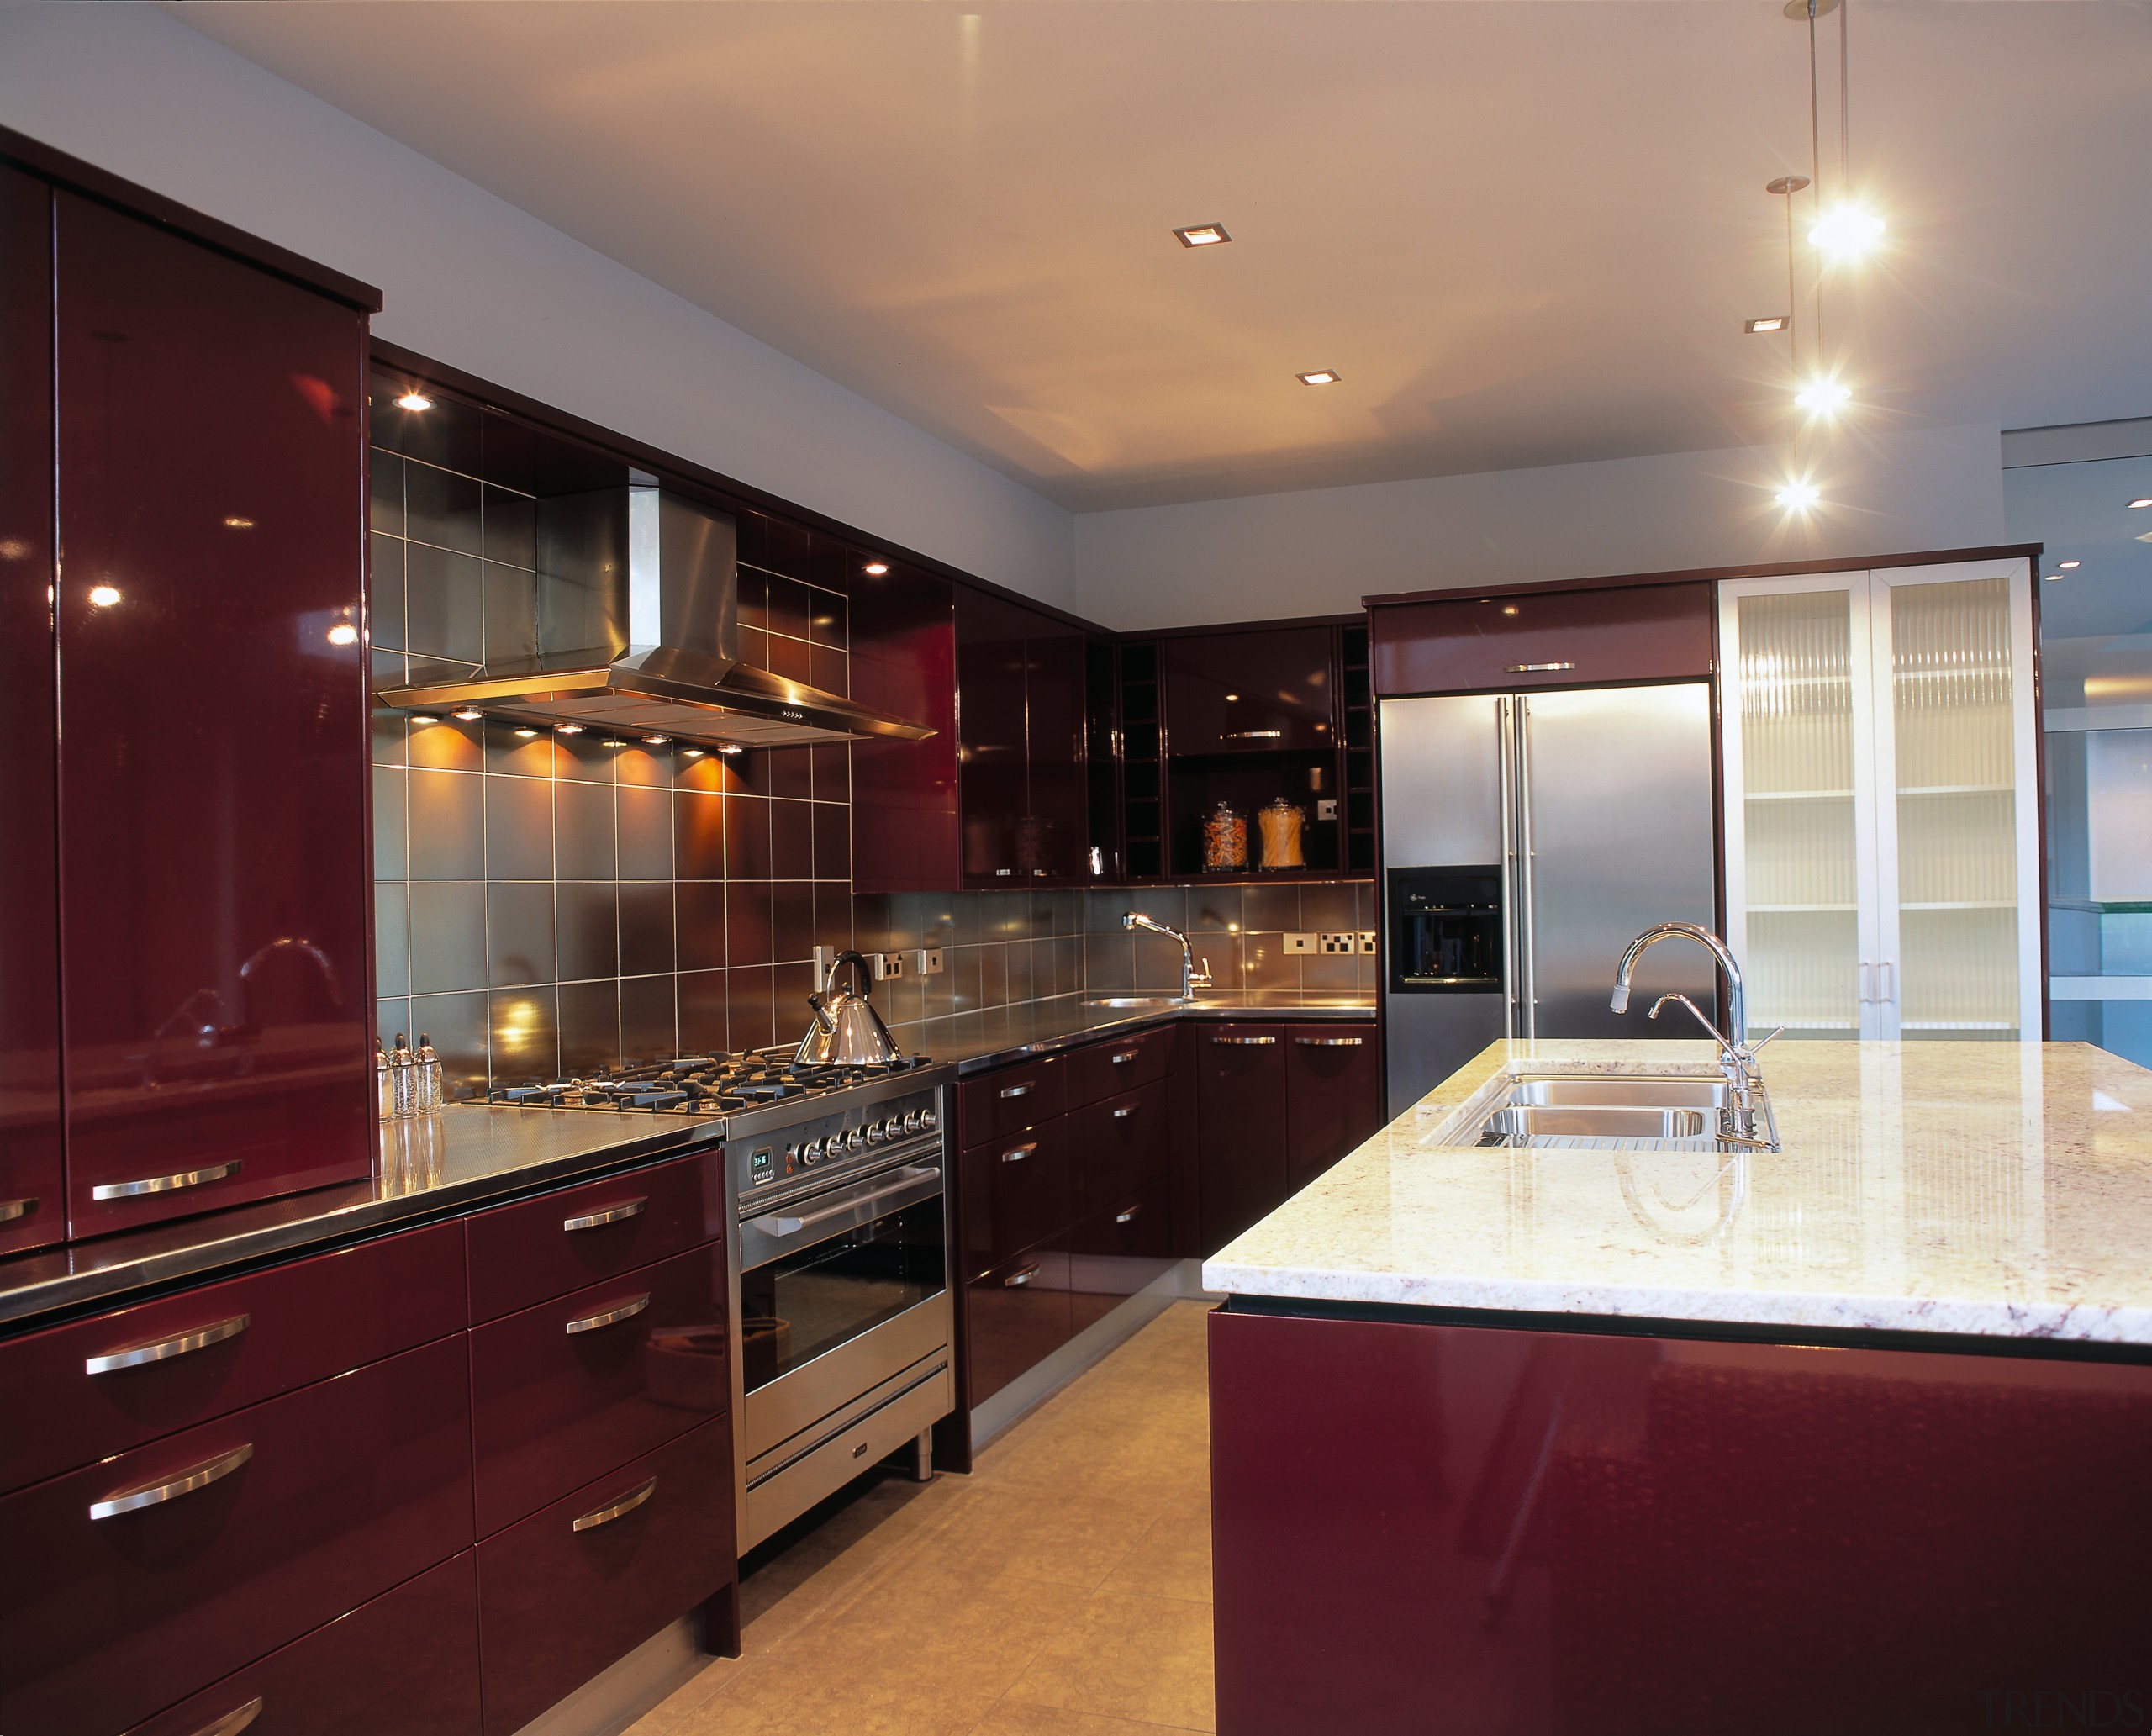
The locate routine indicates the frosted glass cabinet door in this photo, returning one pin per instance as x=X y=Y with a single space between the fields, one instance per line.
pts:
x=1800 y=811
x=1960 y=870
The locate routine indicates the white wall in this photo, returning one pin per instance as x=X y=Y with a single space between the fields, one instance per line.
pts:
x=478 y=283
x=1319 y=551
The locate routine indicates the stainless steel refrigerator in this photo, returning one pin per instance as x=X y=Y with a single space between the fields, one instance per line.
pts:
x=1526 y=839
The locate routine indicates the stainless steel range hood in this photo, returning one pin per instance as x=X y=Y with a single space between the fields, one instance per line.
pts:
x=679 y=674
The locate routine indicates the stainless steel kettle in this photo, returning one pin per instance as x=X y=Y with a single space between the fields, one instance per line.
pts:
x=846 y=1031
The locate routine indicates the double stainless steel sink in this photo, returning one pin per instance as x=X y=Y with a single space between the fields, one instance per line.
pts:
x=1631 y=1110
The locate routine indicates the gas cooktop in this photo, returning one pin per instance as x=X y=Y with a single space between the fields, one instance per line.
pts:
x=715 y=1083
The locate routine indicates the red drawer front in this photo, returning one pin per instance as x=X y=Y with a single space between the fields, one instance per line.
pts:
x=1019 y=1315
x=1116 y=1252
x=1105 y=1069
x=557 y=1605
x=353 y=1484
x=1121 y=1143
x=552 y=1407
x=406 y=1663
x=525 y=1253
x=205 y=1353
x=1013 y=1098
x=1030 y=1192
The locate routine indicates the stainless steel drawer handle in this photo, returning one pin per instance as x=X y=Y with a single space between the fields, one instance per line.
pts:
x=592 y=1323
x=233 y=1722
x=617 y=1509
x=1017 y=1280
x=1016 y=1091
x=1123 y=1058
x=1128 y=1216
x=10 y=1210
x=1016 y=1154
x=1125 y=1111
x=604 y=1214
x=1330 y=1042
x=164 y=1184
x=1250 y=735
x=163 y=1349
x=201 y=1476
x=1535 y=669
x=1247 y=1043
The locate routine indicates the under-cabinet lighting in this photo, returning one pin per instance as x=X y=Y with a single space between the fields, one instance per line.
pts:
x=733 y=749
x=693 y=753
x=103 y=596
x=414 y=401
x=526 y=735
x=616 y=743
x=1321 y=376
x=1202 y=234
x=415 y=719
x=875 y=569
x=568 y=729
x=1231 y=698
x=1771 y=322
x=343 y=633
x=469 y=714
x=656 y=741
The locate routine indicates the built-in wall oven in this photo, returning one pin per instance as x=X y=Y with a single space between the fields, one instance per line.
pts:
x=840 y=1308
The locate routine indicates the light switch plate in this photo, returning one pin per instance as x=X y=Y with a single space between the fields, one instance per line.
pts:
x=1299 y=943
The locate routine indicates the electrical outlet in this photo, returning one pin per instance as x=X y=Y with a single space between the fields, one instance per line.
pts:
x=926 y=961
x=1337 y=943
x=1326 y=811
x=885 y=965
x=1367 y=940
x=1299 y=943
x=825 y=957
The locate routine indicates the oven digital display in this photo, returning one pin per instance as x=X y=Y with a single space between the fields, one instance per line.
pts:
x=762 y=1169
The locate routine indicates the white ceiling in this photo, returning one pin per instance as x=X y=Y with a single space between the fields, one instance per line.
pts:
x=1525 y=233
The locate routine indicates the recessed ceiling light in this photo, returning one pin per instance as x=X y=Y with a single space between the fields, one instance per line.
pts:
x=567 y=729
x=2050 y=577
x=732 y=748
x=1774 y=322
x=343 y=633
x=656 y=741
x=875 y=569
x=1321 y=376
x=1821 y=397
x=693 y=753
x=1202 y=234
x=616 y=744
x=2141 y=500
x=2070 y=565
x=414 y=401
x=1798 y=496
x=1847 y=232
x=469 y=715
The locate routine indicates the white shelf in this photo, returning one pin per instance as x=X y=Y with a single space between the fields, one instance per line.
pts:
x=1798 y=910
x=1957 y=1025
x=1981 y=904
x=1956 y=789
x=1799 y=795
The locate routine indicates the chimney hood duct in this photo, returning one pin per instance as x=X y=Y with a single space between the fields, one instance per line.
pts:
x=680 y=674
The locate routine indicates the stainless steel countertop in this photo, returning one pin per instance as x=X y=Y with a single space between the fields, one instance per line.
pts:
x=975 y=1042
x=432 y=1166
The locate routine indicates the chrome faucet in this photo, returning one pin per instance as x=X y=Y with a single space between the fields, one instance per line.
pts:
x=1193 y=976
x=1736 y=1055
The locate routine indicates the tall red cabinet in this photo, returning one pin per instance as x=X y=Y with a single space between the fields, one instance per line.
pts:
x=187 y=978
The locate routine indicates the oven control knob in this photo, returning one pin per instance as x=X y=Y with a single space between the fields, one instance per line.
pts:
x=875 y=1134
x=893 y=1126
x=811 y=1152
x=911 y=1121
x=928 y=1119
x=792 y=1152
x=855 y=1139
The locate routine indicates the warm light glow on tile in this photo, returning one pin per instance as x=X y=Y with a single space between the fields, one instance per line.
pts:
x=103 y=596
x=1203 y=234
x=414 y=401
x=343 y=633
x=1321 y=376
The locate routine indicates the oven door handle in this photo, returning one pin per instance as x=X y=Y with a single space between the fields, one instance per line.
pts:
x=913 y=1183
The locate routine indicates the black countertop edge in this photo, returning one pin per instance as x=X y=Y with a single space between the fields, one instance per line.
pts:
x=48 y=1285
x=1338 y=1006
x=1792 y=1338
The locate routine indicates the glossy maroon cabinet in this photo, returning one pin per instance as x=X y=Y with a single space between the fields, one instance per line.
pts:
x=301 y=1508
x=1116 y=1252
x=1241 y=1131
x=1011 y=1098
x=1333 y=1094
x=407 y=1662
x=1055 y=741
x=558 y=1241
x=1019 y=1315
x=110 y=1383
x=906 y=830
x=576 y=1387
x=1249 y=692
x=582 y=1583
x=1575 y=1534
x=212 y=884
x=1029 y=1185
x=33 y=1203
x=1551 y=638
x=1124 y=1141
x=1101 y=1070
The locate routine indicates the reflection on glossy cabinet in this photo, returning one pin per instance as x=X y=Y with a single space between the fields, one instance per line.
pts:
x=213 y=894
x=32 y=1208
x=1249 y=693
x=1628 y=1536
x=1021 y=685
x=1241 y=1129
x=1333 y=1086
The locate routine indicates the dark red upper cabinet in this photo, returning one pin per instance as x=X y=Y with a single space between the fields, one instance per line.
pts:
x=999 y=848
x=1054 y=752
x=903 y=793
x=33 y=1211
x=1555 y=638
x=1249 y=693
x=212 y=877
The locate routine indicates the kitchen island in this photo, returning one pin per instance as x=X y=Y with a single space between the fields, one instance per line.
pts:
x=1852 y=1436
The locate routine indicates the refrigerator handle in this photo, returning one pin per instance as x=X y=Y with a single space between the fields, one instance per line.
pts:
x=1520 y=729
x=1506 y=756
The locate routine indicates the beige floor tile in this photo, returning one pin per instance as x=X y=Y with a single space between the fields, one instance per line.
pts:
x=1013 y=1718
x=1149 y=1659
x=1172 y=1559
x=1029 y=1535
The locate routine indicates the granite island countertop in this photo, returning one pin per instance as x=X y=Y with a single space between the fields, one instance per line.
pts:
x=1989 y=1190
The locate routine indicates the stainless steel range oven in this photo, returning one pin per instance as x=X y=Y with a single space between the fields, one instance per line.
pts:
x=840 y=1308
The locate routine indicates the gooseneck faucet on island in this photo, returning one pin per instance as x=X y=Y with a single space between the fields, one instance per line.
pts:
x=1193 y=976
x=1736 y=1055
